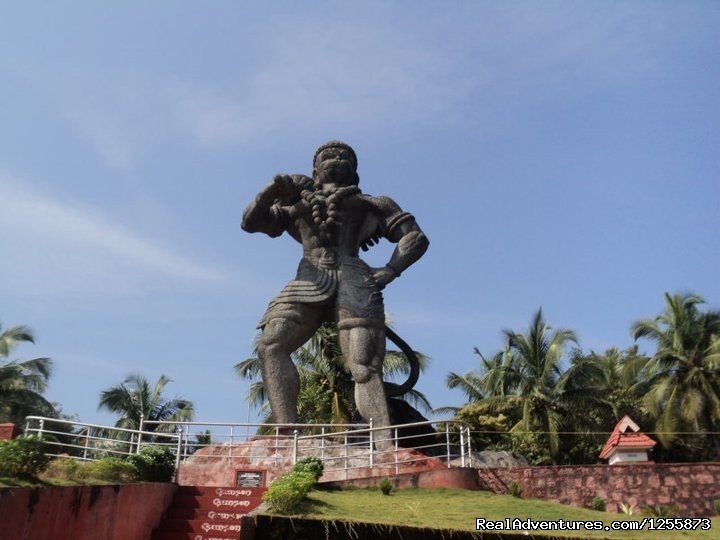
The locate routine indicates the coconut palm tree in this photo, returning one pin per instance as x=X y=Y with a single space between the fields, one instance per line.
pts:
x=477 y=385
x=612 y=378
x=22 y=381
x=534 y=381
x=683 y=376
x=135 y=399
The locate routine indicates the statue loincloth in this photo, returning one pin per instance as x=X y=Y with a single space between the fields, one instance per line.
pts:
x=327 y=290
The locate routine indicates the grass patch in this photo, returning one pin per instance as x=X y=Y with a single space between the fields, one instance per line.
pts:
x=10 y=481
x=457 y=509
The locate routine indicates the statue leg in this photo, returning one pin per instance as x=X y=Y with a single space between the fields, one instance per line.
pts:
x=279 y=339
x=364 y=352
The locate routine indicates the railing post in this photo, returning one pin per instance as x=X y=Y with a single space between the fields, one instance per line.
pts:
x=447 y=442
x=177 y=453
x=371 y=443
x=295 y=446
x=87 y=440
x=232 y=437
x=346 y=457
x=469 y=450
x=397 y=445
x=462 y=447
x=142 y=428
x=40 y=430
x=322 y=443
x=277 y=435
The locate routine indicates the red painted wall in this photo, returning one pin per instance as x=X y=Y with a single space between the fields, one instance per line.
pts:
x=692 y=487
x=440 y=478
x=8 y=431
x=118 y=512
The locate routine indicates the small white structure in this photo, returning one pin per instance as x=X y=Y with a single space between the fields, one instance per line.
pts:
x=626 y=444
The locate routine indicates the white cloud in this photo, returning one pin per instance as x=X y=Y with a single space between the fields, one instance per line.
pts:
x=364 y=73
x=356 y=76
x=104 y=130
x=350 y=76
x=56 y=246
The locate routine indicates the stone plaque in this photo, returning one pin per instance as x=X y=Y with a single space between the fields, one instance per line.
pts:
x=250 y=479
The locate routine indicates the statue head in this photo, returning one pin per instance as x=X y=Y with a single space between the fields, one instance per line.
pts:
x=335 y=162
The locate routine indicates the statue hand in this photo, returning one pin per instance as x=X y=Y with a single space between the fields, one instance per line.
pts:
x=383 y=276
x=281 y=187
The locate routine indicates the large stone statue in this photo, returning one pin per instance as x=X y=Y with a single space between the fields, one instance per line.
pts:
x=332 y=220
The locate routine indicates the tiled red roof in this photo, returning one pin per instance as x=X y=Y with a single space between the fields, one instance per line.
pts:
x=626 y=435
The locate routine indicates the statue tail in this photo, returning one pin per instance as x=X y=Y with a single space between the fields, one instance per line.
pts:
x=396 y=390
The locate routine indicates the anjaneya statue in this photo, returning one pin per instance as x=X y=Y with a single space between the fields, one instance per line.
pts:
x=332 y=220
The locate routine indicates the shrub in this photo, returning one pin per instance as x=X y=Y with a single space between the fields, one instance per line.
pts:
x=287 y=492
x=109 y=469
x=627 y=509
x=65 y=468
x=311 y=465
x=598 y=503
x=154 y=463
x=24 y=456
x=386 y=486
x=514 y=489
x=716 y=502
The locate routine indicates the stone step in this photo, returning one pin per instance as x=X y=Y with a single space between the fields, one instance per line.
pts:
x=244 y=504
x=209 y=515
x=200 y=526
x=221 y=491
x=193 y=536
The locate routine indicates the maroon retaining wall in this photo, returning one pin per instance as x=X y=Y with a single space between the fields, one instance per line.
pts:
x=692 y=487
x=439 y=478
x=119 y=512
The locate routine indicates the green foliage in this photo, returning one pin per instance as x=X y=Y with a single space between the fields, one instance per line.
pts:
x=22 y=382
x=287 y=492
x=386 y=486
x=154 y=463
x=660 y=510
x=136 y=398
x=310 y=465
x=489 y=424
x=24 y=456
x=107 y=469
x=716 y=502
x=681 y=379
x=64 y=468
x=514 y=489
x=530 y=399
x=534 y=446
x=627 y=509
x=598 y=503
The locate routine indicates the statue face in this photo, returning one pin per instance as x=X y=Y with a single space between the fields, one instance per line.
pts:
x=335 y=165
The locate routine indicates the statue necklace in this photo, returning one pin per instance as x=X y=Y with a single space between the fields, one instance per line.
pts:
x=325 y=208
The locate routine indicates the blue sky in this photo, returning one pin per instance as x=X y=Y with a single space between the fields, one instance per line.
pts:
x=557 y=154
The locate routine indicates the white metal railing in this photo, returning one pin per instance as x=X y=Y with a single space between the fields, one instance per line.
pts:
x=385 y=447
x=231 y=439
x=89 y=442
x=344 y=449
